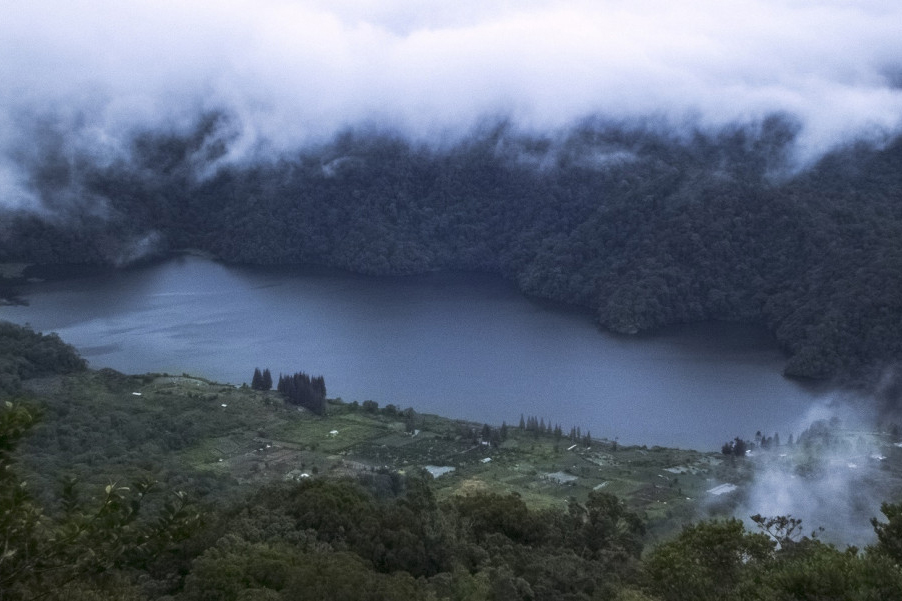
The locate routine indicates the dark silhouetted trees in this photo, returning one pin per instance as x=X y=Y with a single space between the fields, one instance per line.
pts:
x=302 y=390
x=261 y=380
x=736 y=447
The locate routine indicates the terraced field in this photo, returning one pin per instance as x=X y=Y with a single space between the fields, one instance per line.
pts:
x=219 y=440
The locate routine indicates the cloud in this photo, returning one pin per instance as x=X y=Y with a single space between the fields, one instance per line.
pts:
x=295 y=72
x=833 y=478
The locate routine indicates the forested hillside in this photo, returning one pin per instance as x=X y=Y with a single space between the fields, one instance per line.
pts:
x=26 y=354
x=646 y=229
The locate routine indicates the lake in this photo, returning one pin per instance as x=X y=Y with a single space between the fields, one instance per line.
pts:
x=458 y=344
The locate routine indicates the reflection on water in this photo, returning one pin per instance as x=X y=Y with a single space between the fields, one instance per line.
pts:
x=461 y=345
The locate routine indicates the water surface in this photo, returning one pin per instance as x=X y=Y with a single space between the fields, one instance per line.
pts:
x=461 y=345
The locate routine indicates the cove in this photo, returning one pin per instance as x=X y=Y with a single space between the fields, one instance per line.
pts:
x=457 y=344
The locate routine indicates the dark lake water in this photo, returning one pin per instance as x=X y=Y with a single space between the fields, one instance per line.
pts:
x=461 y=345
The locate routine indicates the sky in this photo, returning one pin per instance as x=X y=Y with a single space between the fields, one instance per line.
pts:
x=294 y=72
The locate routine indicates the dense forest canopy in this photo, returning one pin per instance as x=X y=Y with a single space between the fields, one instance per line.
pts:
x=646 y=228
x=26 y=354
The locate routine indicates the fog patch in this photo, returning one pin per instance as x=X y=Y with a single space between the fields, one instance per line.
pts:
x=15 y=193
x=835 y=474
x=139 y=248
x=335 y=166
x=538 y=154
x=45 y=160
x=601 y=159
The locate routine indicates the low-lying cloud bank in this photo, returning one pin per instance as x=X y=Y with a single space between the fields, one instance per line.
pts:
x=296 y=72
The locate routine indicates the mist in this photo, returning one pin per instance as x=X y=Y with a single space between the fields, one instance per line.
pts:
x=294 y=73
x=834 y=477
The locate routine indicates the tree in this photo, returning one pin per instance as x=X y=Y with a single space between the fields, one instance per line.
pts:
x=27 y=354
x=815 y=570
x=492 y=513
x=784 y=530
x=736 y=447
x=43 y=552
x=266 y=384
x=889 y=533
x=300 y=389
x=410 y=420
x=706 y=562
x=257 y=379
x=610 y=531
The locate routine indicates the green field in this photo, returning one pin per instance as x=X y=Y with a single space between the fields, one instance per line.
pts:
x=219 y=440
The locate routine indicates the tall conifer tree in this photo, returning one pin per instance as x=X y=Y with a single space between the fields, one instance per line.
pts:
x=257 y=380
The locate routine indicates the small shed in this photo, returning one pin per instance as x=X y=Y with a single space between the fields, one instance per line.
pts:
x=561 y=478
x=439 y=470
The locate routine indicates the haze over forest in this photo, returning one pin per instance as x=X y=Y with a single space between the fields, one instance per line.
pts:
x=657 y=162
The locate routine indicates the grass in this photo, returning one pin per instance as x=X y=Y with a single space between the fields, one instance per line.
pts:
x=218 y=440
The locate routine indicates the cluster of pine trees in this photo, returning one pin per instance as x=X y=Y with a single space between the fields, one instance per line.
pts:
x=302 y=390
x=538 y=426
x=486 y=435
x=738 y=446
x=261 y=380
x=298 y=389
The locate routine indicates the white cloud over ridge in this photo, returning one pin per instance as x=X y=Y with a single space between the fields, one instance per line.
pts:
x=295 y=72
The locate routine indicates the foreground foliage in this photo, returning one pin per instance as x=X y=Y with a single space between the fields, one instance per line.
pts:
x=382 y=535
x=88 y=544
x=329 y=539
